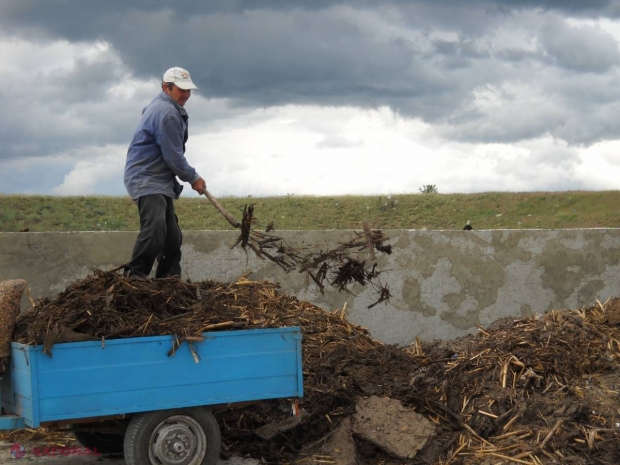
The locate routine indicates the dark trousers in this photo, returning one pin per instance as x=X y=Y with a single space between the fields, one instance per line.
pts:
x=160 y=238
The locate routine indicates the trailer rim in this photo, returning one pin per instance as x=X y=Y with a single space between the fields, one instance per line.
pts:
x=177 y=439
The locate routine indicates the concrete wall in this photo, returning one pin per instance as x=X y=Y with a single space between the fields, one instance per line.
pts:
x=442 y=283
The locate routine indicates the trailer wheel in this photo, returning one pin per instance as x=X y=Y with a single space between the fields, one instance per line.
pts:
x=173 y=437
x=103 y=443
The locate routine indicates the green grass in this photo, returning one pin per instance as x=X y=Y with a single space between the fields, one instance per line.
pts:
x=490 y=210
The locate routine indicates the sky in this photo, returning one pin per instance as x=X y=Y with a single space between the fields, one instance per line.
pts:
x=317 y=97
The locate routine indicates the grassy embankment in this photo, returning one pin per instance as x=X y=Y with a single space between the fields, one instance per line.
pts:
x=491 y=210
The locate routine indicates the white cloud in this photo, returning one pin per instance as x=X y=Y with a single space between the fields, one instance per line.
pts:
x=286 y=153
x=101 y=172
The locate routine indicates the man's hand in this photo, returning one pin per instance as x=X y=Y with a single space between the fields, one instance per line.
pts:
x=200 y=186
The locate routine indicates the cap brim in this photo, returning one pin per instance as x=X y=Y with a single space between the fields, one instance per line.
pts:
x=185 y=85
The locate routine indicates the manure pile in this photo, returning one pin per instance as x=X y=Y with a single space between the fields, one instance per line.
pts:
x=537 y=390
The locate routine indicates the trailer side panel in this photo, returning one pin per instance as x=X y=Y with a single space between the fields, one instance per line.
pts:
x=92 y=379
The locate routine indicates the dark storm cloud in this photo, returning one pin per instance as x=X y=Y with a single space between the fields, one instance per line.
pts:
x=69 y=109
x=424 y=59
x=581 y=49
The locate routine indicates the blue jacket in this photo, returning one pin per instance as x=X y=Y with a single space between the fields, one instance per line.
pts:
x=156 y=155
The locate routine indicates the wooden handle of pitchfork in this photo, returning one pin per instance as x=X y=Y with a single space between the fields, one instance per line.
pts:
x=222 y=210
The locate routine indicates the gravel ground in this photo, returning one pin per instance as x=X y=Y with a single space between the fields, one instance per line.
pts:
x=29 y=456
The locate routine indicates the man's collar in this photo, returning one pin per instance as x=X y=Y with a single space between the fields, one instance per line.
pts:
x=171 y=100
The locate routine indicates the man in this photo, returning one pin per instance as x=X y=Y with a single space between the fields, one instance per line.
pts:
x=155 y=158
x=468 y=226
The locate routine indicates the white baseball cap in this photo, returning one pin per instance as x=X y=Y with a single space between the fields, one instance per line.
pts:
x=180 y=77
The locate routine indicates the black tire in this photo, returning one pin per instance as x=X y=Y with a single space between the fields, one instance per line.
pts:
x=180 y=437
x=103 y=443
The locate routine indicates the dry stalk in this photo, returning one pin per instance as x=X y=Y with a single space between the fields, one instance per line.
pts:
x=536 y=460
x=488 y=414
x=512 y=420
x=555 y=428
x=369 y=240
x=504 y=373
x=456 y=452
x=224 y=324
x=474 y=434
x=511 y=459
x=507 y=435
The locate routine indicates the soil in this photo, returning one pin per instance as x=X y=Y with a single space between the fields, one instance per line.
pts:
x=538 y=390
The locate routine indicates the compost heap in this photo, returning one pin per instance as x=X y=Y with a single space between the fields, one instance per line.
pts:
x=536 y=390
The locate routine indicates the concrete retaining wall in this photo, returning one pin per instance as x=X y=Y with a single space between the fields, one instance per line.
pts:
x=443 y=283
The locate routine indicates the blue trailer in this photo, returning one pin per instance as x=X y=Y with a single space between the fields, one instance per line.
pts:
x=136 y=396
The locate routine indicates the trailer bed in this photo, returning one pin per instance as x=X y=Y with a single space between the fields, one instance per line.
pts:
x=86 y=380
